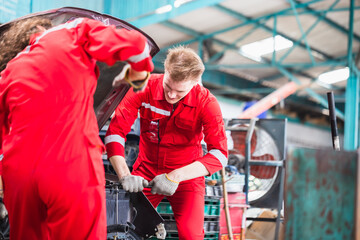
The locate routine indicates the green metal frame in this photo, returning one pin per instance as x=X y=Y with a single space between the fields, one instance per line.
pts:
x=351 y=141
x=289 y=70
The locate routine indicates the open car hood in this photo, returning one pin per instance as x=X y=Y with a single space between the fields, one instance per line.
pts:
x=106 y=97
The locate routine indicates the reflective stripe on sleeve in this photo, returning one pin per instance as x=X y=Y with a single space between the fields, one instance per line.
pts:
x=155 y=109
x=141 y=56
x=1 y=157
x=27 y=50
x=114 y=138
x=68 y=25
x=221 y=157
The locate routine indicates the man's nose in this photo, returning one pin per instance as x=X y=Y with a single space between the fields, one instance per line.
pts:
x=172 y=94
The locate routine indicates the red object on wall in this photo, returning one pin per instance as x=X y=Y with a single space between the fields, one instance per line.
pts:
x=237 y=207
x=270 y=100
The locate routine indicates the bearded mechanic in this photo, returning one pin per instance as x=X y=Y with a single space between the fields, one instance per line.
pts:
x=176 y=113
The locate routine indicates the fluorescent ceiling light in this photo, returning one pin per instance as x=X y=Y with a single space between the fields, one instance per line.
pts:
x=265 y=46
x=163 y=9
x=334 y=76
x=178 y=3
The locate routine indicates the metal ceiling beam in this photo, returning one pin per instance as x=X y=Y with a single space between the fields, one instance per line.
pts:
x=197 y=36
x=249 y=21
x=341 y=60
x=288 y=74
x=302 y=31
x=331 y=22
x=282 y=68
x=182 y=29
x=266 y=28
x=320 y=12
x=231 y=45
x=319 y=19
x=227 y=91
x=311 y=92
x=269 y=65
x=149 y=19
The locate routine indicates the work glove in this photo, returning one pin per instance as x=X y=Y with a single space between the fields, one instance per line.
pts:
x=162 y=185
x=132 y=183
x=135 y=79
x=121 y=76
x=3 y=211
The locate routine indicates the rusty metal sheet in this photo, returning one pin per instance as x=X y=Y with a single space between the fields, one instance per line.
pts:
x=321 y=194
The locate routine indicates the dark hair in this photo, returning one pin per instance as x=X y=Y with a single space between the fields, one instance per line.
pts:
x=17 y=37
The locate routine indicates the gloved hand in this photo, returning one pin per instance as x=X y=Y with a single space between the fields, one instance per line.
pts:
x=132 y=183
x=121 y=76
x=3 y=211
x=135 y=79
x=163 y=185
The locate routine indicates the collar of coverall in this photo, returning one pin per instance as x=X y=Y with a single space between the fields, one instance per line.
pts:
x=189 y=99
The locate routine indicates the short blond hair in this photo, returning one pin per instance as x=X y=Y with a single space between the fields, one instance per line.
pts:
x=182 y=63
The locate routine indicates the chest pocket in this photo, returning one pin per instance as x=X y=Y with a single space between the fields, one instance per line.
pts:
x=186 y=119
x=185 y=123
x=184 y=131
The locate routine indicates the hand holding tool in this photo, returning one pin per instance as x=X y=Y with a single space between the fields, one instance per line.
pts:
x=132 y=183
x=163 y=185
x=3 y=211
x=134 y=78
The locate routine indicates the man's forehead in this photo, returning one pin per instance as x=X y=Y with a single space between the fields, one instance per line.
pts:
x=184 y=85
x=190 y=81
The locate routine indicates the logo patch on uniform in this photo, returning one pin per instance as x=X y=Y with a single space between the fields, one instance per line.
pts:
x=154 y=123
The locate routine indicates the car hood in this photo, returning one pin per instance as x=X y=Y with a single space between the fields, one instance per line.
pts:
x=106 y=98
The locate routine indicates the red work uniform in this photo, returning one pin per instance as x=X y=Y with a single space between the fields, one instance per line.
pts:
x=170 y=139
x=52 y=167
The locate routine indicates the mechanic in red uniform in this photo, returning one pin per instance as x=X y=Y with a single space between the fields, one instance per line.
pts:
x=176 y=114
x=52 y=167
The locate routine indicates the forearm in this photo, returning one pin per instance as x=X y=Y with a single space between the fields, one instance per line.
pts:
x=119 y=165
x=136 y=75
x=193 y=170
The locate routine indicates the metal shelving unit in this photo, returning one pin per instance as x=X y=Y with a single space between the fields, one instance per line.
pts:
x=276 y=129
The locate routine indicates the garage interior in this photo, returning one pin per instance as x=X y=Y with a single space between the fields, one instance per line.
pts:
x=274 y=66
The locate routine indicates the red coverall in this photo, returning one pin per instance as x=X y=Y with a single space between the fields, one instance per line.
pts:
x=170 y=139
x=52 y=167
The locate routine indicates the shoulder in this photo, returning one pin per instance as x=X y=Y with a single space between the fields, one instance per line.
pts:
x=156 y=77
x=203 y=94
x=154 y=81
